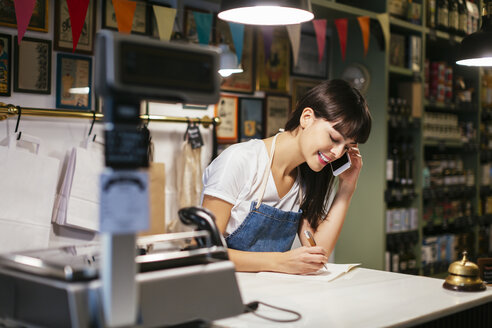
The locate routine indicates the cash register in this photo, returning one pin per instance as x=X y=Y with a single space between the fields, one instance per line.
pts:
x=125 y=280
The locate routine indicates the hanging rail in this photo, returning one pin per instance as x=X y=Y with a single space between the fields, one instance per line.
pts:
x=7 y=110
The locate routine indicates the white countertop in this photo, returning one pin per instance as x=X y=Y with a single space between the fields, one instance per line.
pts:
x=359 y=298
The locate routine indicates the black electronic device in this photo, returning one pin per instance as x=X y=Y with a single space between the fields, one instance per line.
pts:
x=341 y=164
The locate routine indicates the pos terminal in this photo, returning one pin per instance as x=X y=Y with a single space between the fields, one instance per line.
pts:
x=125 y=281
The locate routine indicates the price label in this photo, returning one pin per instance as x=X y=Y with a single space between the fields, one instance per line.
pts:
x=195 y=137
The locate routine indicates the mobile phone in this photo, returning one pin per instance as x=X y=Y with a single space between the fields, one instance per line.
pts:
x=341 y=164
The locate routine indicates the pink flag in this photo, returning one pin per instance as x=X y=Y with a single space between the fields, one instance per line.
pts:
x=77 y=9
x=320 y=30
x=23 y=12
x=342 y=24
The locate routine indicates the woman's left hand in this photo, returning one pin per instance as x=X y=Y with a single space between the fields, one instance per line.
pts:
x=348 y=179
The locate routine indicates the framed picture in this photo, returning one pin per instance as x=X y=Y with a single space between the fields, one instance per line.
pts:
x=226 y=109
x=141 y=20
x=272 y=71
x=299 y=88
x=250 y=118
x=189 y=26
x=39 y=19
x=73 y=82
x=63 y=29
x=240 y=82
x=276 y=113
x=5 y=64
x=308 y=63
x=32 y=66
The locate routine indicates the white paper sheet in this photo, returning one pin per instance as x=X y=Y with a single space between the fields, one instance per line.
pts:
x=332 y=272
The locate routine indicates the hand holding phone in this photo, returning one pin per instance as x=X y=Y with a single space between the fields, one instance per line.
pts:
x=340 y=165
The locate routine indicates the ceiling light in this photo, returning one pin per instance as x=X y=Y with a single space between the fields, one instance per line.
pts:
x=476 y=48
x=258 y=12
x=228 y=61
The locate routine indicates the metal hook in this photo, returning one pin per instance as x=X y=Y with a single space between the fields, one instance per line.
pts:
x=19 y=113
x=93 y=120
x=187 y=127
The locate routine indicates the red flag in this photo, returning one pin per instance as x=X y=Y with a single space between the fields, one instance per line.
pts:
x=364 y=24
x=124 y=11
x=342 y=24
x=23 y=13
x=77 y=9
x=320 y=30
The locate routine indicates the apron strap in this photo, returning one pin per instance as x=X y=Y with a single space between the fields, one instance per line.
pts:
x=264 y=179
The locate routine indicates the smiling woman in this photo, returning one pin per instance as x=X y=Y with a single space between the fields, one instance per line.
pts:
x=264 y=192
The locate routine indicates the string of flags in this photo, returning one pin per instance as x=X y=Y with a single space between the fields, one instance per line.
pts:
x=125 y=11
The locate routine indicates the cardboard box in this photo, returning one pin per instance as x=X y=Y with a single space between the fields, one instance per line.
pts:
x=412 y=92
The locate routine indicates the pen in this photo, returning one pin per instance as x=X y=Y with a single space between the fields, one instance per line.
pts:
x=312 y=242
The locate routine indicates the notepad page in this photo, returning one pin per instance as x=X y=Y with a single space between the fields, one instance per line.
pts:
x=328 y=274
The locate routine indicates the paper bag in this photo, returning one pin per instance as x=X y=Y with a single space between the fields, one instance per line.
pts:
x=157 y=184
x=26 y=197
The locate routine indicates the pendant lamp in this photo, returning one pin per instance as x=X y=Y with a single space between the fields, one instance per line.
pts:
x=266 y=12
x=228 y=61
x=476 y=48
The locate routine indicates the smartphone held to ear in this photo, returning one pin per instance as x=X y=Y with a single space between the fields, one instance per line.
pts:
x=340 y=165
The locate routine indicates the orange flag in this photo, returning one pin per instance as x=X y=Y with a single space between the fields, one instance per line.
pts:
x=365 y=29
x=124 y=11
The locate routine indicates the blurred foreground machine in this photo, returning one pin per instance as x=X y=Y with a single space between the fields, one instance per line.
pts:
x=125 y=281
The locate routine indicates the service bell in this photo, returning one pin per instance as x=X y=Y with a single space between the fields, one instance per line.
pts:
x=464 y=276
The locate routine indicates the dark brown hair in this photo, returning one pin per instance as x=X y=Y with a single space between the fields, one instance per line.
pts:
x=335 y=101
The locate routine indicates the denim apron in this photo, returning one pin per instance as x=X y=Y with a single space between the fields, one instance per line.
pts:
x=266 y=228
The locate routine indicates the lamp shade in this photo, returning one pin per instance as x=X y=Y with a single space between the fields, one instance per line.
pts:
x=266 y=12
x=476 y=48
x=228 y=62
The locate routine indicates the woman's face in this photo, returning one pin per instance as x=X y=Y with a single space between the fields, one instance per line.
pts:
x=322 y=144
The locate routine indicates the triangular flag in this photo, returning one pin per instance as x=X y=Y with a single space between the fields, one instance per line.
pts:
x=165 y=21
x=77 y=10
x=267 y=32
x=124 y=11
x=237 y=32
x=203 y=26
x=23 y=13
x=384 y=22
x=342 y=24
x=320 y=30
x=294 y=31
x=364 y=22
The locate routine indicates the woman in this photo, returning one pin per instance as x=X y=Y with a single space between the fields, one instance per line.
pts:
x=254 y=188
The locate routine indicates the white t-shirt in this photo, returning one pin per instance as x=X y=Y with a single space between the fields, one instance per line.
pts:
x=235 y=177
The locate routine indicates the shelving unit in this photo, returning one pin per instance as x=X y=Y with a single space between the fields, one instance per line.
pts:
x=365 y=225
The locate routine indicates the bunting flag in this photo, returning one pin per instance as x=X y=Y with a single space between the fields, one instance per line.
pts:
x=23 y=13
x=203 y=26
x=77 y=10
x=165 y=21
x=267 y=32
x=365 y=29
x=342 y=24
x=320 y=30
x=237 y=32
x=384 y=22
x=124 y=11
x=294 y=31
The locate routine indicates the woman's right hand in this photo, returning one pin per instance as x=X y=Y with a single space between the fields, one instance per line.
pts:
x=302 y=260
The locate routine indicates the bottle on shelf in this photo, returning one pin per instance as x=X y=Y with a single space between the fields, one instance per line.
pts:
x=442 y=15
x=431 y=14
x=463 y=17
x=453 y=20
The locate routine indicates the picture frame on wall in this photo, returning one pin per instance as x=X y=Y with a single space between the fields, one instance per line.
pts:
x=32 y=66
x=39 y=19
x=73 y=82
x=240 y=82
x=273 y=73
x=227 y=110
x=250 y=119
x=277 y=111
x=299 y=88
x=308 y=64
x=63 y=30
x=5 y=64
x=141 y=19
